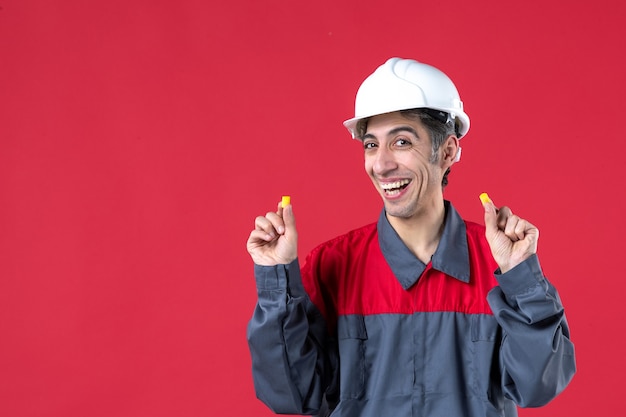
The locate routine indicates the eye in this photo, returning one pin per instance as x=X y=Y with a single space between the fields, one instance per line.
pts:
x=403 y=142
x=369 y=145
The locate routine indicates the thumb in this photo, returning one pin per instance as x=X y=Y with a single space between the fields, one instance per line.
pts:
x=290 y=220
x=491 y=213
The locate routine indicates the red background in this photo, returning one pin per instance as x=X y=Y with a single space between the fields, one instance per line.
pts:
x=139 y=139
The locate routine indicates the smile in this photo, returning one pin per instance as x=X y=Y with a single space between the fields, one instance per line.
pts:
x=393 y=188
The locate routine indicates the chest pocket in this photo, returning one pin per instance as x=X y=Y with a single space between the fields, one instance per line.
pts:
x=484 y=328
x=486 y=337
x=351 y=335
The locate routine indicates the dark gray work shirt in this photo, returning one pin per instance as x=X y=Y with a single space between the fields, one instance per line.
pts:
x=365 y=329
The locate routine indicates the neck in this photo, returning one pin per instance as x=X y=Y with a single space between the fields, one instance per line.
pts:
x=422 y=232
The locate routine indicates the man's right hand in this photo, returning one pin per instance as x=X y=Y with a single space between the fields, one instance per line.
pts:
x=274 y=239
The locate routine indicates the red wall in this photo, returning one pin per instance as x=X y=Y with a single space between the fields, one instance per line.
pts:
x=139 y=139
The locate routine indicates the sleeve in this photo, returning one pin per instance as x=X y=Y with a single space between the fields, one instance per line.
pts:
x=291 y=351
x=536 y=356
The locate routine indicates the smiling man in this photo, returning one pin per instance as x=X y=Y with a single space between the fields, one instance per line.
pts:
x=408 y=173
x=418 y=314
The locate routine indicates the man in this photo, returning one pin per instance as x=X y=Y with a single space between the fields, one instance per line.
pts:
x=406 y=317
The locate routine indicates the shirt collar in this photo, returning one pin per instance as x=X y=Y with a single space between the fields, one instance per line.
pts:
x=451 y=256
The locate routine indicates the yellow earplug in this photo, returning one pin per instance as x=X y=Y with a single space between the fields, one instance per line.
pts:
x=285 y=201
x=485 y=198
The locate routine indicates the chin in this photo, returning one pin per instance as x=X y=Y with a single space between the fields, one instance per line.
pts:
x=400 y=212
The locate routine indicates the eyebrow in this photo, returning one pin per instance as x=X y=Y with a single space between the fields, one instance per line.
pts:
x=393 y=131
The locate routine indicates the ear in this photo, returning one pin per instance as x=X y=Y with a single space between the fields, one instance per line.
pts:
x=450 y=148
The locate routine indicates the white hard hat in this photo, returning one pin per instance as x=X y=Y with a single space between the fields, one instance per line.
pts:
x=402 y=84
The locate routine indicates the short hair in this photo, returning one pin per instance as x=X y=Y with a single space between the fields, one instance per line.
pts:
x=438 y=124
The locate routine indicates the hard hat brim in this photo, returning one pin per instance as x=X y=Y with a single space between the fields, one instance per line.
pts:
x=464 y=120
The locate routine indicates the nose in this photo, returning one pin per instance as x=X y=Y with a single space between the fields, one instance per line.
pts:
x=384 y=161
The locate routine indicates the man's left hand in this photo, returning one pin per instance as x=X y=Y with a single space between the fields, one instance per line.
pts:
x=511 y=238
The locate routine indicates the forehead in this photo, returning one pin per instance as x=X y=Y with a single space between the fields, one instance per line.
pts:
x=385 y=124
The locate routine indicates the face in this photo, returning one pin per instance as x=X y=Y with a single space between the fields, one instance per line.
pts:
x=400 y=163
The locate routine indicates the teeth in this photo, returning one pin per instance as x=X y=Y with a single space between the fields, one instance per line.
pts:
x=392 y=185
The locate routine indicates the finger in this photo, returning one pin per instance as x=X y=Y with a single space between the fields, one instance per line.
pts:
x=503 y=215
x=263 y=224
x=524 y=228
x=520 y=229
x=276 y=221
x=258 y=238
x=279 y=209
x=511 y=228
